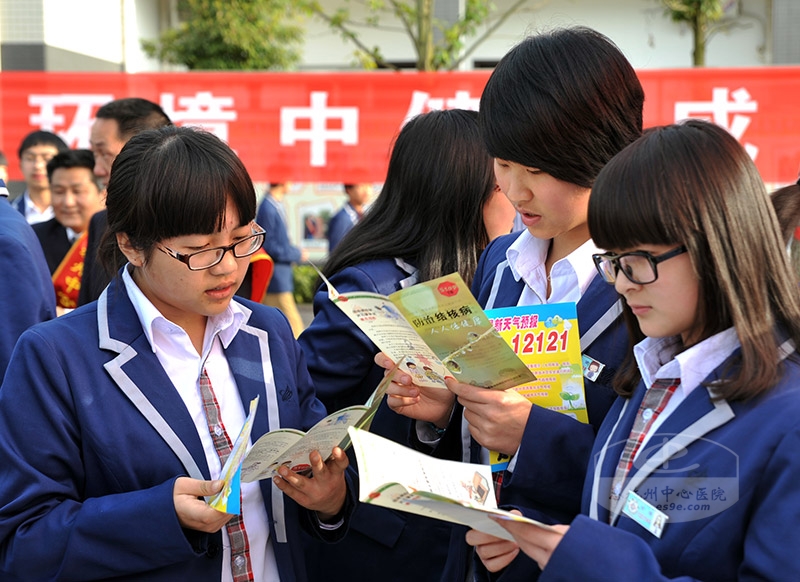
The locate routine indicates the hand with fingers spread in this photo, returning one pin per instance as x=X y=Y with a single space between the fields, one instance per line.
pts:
x=418 y=402
x=496 y=418
x=324 y=490
x=192 y=510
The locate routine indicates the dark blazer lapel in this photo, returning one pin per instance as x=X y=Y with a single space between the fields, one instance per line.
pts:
x=249 y=375
x=505 y=289
x=252 y=380
x=599 y=293
x=138 y=373
x=597 y=310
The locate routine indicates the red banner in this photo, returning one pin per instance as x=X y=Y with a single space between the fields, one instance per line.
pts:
x=339 y=127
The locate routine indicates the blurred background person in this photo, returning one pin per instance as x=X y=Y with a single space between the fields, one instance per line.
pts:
x=786 y=202
x=76 y=197
x=4 y=171
x=272 y=218
x=115 y=123
x=37 y=148
x=348 y=216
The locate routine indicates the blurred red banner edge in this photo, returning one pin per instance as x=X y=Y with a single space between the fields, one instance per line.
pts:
x=339 y=127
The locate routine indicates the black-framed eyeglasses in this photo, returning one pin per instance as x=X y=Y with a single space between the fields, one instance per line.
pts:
x=207 y=258
x=638 y=266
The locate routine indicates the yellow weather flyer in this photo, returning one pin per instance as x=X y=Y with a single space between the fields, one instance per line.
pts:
x=546 y=338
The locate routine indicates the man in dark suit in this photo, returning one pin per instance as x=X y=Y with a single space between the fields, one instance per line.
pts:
x=115 y=123
x=76 y=197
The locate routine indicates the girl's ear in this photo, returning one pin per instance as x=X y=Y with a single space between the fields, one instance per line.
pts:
x=134 y=256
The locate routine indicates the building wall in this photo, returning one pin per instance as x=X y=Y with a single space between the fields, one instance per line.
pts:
x=78 y=35
x=786 y=32
x=640 y=28
x=105 y=34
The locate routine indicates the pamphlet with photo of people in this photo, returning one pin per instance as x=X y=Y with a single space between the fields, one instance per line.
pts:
x=397 y=477
x=440 y=330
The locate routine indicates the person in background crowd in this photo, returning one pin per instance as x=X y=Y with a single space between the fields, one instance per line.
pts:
x=786 y=202
x=3 y=169
x=76 y=197
x=27 y=296
x=272 y=217
x=438 y=208
x=115 y=123
x=706 y=426
x=343 y=221
x=37 y=148
x=116 y=419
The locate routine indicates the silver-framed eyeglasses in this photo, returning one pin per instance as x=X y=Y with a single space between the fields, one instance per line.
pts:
x=640 y=267
x=207 y=258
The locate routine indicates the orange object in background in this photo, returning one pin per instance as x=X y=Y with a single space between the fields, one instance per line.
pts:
x=261 y=267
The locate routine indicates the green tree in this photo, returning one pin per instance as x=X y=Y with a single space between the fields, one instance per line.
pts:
x=439 y=45
x=704 y=17
x=232 y=35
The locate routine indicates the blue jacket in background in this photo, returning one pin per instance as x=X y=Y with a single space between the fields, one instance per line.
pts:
x=277 y=245
x=340 y=224
x=28 y=296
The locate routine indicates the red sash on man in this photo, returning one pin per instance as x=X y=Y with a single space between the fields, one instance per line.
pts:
x=67 y=277
x=261 y=266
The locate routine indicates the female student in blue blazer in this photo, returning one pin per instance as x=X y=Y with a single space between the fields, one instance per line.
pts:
x=555 y=110
x=711 y=493
x=107 y=444
x=437 y=210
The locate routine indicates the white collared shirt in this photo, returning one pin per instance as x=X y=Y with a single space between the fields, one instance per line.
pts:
x=72 y=236
x=569 y=277
x=183 y=365
x=32 y=214
x=656 y=359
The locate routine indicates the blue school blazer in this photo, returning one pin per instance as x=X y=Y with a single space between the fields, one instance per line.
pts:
x=726 y=474
x=93 y=436
x=381 y=544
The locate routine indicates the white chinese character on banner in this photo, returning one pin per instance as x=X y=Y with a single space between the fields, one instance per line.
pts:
x=318 y=132
x=51 y=116
x=202 y=110
x=719 y=109
x=421 y=102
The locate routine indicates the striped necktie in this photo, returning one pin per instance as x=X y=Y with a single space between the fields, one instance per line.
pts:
x=237 y=535
x=654 y=402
